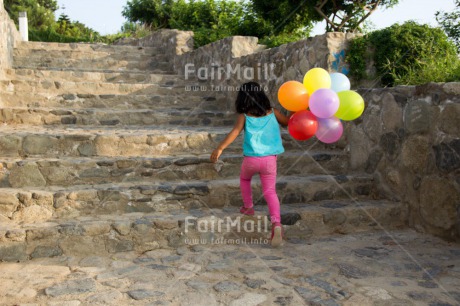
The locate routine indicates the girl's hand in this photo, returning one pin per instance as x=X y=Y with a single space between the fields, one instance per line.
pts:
x=215 y=155
x=237 y=128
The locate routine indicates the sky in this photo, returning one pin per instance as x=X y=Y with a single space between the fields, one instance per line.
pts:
x=105 y=17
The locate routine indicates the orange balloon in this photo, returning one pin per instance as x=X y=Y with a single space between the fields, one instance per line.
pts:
x=293 y=96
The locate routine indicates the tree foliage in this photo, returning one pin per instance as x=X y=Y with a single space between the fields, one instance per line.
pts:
x=345 y=15
x=154 y=13
x=450 y=22
x=40 y=13
x=75 y=29
x=286 y=15
x=407 y=54
x=42 y=23
x=209 y=19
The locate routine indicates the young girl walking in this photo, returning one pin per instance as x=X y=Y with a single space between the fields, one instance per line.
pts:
x=261 y=145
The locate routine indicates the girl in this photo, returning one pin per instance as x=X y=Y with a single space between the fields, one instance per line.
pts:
x=262 y=143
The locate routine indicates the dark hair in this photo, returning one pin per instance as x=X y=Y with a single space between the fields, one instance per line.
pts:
x=252 y=100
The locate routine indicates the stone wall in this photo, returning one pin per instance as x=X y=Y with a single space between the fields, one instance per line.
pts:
x=174 y=42
x=228 y=63
x=409 y=139
x=9 y=37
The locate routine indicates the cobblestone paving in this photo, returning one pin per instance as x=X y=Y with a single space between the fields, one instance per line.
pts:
x=393 y=268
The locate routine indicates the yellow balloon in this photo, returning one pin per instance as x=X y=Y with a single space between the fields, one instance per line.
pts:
x=351 y=105
x=315 y=79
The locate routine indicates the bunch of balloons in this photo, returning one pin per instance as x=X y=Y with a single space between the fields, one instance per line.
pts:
x=319 y=105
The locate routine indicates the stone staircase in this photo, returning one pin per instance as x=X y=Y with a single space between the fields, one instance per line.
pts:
x=103 y=150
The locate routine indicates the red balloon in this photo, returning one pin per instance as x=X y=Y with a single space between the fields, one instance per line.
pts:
x=303 y=125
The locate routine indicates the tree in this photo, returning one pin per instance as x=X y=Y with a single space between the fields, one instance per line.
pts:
x=63 y=24
x=74 y=28
x=209 y=19
x=347 y=16
x=40 y=13
x=344 y=15
x=450 y=22
x=286 y=15
x=154 y=13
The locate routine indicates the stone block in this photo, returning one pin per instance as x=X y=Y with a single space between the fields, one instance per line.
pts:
x=83 y=195
x=107 y=145
x=72 y=287
x=117 y=246
x=373 y=161
x=10 y=145
x=243 y=45
x=17 y=235
x=9 y=203
x=438 y=202
x=39 y=144
x=391 y=145
x=15 y=251
x=372 y=125
x=122 y=227
x=58 y=174
x=198 y=141
x=96 y=228
x=166 y=224
x=124 y=164
x=415 y=153
x=26 y=176
x=391 y=115
x=33 y=213
x=359 y=148
x=46 y=251
x=40 y=198
x=82 y=246
x=448 y=120
x=87 y=149
x=36 y=234
x=417 y=117
x=109 y=297
x=448 y=155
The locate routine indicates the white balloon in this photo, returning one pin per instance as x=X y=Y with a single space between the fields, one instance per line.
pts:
x=339 y=82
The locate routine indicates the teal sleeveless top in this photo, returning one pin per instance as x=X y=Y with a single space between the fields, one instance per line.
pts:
x=262 y=136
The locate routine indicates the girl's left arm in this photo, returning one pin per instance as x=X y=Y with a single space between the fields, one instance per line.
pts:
x=237 y=128
x=281 y=118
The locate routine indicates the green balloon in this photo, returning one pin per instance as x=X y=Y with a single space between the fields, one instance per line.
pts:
x=351 y=105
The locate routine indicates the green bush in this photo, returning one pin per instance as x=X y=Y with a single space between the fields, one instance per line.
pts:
x=49 y=35
x=406 y=54
x=272 y=41
x=357 y=57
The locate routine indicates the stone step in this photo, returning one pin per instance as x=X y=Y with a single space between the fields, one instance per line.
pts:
x=49 y=88
x=105 y=235
x=192 y=102
x=153 y=64
x=37 y=55
x=73 y=75
x=97 y=116
x=31 y=47
x=51 y=141
x=43 y=203
x=63 y=172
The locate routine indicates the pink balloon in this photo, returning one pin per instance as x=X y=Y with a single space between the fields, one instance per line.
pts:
x=324 y=103
x=329 y=130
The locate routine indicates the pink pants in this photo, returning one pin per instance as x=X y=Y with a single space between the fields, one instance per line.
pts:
x=266 y=167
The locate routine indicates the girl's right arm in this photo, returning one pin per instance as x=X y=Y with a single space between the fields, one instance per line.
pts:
x=237 y=128
x=281 y=118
